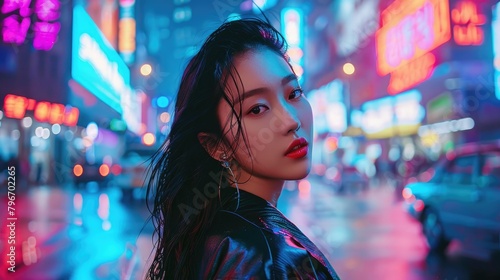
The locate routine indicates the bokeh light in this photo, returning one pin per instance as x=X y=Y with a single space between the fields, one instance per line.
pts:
x=162 y=102
x=165 y=117
x=56 y=128
x=78 y=170
x=148 y=139
x=27 y=122
x=146 y=69
x=348 y=68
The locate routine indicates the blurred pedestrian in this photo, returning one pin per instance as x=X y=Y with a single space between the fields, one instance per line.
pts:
x=241 y=128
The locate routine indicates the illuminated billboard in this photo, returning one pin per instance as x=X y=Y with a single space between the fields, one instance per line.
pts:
x=98 y=68
x=292 y=27
x=16 y=107
x=496 y=47
x=95 y=64
x=391 y=116
x=329 y=110
x=127 y=30
x=410 y=31
x=467 y=24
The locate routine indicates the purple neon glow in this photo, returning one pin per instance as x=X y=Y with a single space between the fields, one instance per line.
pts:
x=12 y=5
x=13 y=31
x=45 y=35
x=47 y=10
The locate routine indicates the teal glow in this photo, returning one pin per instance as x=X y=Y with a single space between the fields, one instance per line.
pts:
x=495 y=28
x=95 y=64
x=162 y=102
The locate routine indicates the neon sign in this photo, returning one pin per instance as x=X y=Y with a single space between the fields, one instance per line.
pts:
x=411 y=73
x=95 y=64
x=292 y=23
x=330 y=114
x=410 y=31
x=18 y=21
x=467 y=21
x=496 y=47
x=127 y=30
x=393 y=115
x=16 y=107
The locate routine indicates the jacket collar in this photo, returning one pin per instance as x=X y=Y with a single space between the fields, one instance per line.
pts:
x=263 y=214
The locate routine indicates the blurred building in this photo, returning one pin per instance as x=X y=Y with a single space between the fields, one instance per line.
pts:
x=416 y=78
x=66 y=92
x=386 y=78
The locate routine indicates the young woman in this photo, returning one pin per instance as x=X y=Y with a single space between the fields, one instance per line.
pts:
x=242 y=126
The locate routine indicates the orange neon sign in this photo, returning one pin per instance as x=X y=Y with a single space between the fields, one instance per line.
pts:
x=16 y=107
x=467 y=21
x=126 y=36
x=411 y=73
x=409 y=31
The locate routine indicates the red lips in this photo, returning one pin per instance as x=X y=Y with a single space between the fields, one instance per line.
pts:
x=297 y=149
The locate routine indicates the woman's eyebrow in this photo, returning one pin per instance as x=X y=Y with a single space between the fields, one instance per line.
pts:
x=285 y=80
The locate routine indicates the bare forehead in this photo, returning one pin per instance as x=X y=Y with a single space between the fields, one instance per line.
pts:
x=256 y=58
x=258 y=68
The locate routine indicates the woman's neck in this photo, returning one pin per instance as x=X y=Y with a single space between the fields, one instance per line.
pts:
x=265 y=188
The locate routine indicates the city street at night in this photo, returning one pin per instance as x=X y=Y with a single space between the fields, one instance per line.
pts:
x=381 y=117
x=92 y=234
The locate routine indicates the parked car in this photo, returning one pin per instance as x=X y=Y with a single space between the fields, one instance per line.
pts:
x=345 y=178
x=85 y=172
x=461 y=200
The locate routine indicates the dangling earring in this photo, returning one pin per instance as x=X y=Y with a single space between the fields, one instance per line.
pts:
x=224 y=161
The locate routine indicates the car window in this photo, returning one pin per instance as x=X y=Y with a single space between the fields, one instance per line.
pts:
x=490 y=171
x=460 y=170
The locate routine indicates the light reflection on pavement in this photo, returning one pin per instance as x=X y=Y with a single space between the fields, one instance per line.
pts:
x=65 y=233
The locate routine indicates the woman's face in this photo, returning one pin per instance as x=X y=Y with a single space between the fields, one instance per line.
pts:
x=273 y=107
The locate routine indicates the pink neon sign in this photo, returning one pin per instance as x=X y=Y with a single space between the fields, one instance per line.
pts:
x=411 y=31
x=13 y=31
x=45 y=35
x=12 y=5
x=45 y=28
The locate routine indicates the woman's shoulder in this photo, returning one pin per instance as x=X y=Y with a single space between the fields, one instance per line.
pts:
x=235 y=226
x=236 y=240
x=236 y=247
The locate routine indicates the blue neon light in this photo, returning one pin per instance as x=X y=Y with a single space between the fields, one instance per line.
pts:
x=95 y=64
x=495 y=27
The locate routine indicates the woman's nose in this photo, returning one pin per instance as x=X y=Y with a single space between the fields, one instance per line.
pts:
x=290 y=119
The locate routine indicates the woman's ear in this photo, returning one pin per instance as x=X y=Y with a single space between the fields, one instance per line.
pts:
x=209 y=143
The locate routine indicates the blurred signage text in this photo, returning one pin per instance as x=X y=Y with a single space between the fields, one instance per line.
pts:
x=95 y=64
x=100 y=69
x=393 y=115
x=18 y=17
x=127 y=30
x=330 y=114
x=16 y=107
x=467 y=23
x=410 y=30
x=358 y=21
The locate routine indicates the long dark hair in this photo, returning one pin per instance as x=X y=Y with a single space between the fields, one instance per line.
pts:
x=182 y=172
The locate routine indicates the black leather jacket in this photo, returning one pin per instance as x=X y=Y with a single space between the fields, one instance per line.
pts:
x=258 y=242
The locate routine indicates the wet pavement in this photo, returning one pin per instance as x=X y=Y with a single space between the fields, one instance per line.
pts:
x=78 y=234
x=368 y=235
x=65 y=233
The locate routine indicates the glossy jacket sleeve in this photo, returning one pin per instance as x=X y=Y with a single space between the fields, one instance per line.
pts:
x=233 y=259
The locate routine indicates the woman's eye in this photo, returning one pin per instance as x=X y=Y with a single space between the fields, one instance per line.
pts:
x=296 y=93
x=257 y=109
